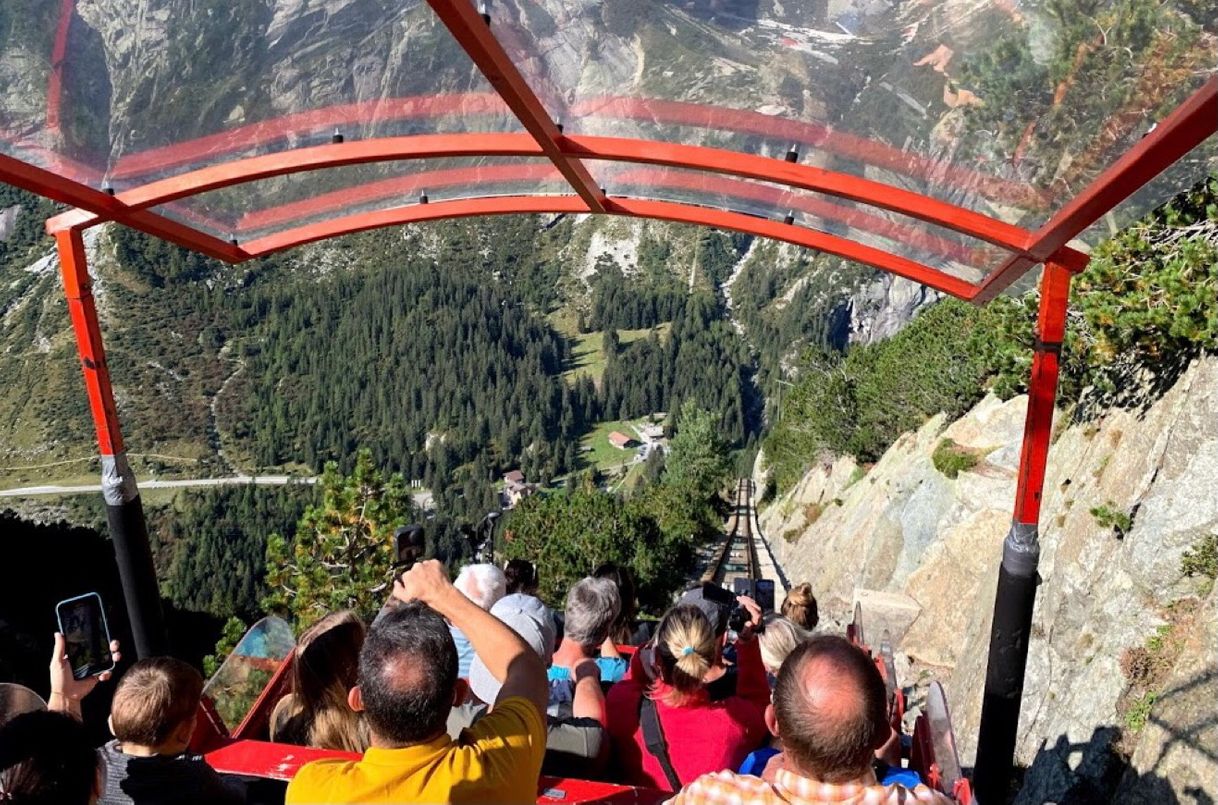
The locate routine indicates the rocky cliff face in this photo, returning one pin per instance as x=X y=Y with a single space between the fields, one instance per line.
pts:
x=1122 y=673
x=882 y=307
x=873 y=305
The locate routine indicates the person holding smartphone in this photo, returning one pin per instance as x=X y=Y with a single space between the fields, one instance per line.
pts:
x=66 y=689
x=152 y=715
x=47 y=756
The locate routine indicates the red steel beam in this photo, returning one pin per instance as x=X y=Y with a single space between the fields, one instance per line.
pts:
x=49 y=184
x=529 y=175
x=360 y=222
x=1015 y=596
x=82 y=311
x=651 y=110
x=1178 y=133
x=58 y=188
x=466 y=105
x=799 y=236
x=59 y=52
x=659 y=210
x=813 y=133
x=317 y=157
x=805 y=177
x=782 y=201
x=1042 y=392
x=474 y=35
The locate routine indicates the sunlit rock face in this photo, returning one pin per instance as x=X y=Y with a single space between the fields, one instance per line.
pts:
x=1106 y=591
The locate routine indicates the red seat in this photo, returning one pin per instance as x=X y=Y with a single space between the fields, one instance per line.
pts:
x=274 y=761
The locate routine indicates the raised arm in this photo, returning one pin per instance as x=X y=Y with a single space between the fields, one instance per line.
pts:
x=589 y=699
x=508 y=658
x=751 y=683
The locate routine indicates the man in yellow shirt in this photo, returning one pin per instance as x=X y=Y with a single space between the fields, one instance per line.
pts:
x=408 y=684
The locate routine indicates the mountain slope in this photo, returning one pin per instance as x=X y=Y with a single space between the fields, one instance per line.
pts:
x=1120 y=669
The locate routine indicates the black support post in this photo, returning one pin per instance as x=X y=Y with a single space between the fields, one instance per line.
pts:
x=132 y=553
x=124 y=511
x=1017 y=575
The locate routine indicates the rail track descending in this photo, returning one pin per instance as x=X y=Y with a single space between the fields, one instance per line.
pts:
x=736 y=567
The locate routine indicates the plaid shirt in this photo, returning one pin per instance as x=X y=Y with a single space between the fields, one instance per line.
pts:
x=728 y=788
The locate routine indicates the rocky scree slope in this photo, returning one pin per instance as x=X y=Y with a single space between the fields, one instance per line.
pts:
x=1123 y=667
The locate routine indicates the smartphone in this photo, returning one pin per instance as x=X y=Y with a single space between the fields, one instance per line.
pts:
x=409 y=545
x=83 y=622
x=764 y=594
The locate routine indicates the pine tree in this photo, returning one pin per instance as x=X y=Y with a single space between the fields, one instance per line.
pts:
x=697 y=459
x=342 y=556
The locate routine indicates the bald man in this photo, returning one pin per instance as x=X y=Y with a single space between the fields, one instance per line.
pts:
x=829 y=710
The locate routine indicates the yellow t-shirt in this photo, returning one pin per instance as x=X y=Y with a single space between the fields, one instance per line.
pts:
x=498 y=759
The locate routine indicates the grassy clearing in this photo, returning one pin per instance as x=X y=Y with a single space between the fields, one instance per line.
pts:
x=70 y=475
x=587 y=357
x=596 y=450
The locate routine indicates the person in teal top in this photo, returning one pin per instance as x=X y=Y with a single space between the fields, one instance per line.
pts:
x=592 y=606
x=612 y=669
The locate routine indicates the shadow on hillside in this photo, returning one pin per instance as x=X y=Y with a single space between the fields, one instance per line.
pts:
x=1098 y=770
x=1135 y=386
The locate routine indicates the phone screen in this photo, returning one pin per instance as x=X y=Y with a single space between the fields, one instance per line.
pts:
x=764 y=594
x=83 y=623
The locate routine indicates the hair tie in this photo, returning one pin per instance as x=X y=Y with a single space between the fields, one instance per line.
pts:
x=685 y=652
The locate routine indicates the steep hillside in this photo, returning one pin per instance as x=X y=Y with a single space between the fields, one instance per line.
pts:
x=194 y=345
x=1121 y=684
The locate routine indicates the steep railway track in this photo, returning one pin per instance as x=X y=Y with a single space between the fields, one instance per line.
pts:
x=736 y=567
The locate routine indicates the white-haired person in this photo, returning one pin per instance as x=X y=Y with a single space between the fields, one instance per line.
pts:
x=576 y=745
x=592 y=607
x=484 y=584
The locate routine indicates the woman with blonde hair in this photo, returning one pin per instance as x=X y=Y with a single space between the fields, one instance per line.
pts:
x=316 y=713
x=778 y=637
x=800 y=607
x=695 y=735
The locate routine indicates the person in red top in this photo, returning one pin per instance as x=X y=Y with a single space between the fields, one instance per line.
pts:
x=701 y=736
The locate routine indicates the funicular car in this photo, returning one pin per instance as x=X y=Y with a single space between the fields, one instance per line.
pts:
x=845 y=129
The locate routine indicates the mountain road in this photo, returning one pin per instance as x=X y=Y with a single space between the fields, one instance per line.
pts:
x=260 y=480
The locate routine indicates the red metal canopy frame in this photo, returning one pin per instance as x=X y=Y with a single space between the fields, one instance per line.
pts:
x=1174 y=136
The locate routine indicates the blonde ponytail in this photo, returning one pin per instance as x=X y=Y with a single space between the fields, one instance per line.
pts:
x=800 y=607
x=685 y=649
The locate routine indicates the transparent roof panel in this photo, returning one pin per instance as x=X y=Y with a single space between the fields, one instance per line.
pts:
x=120 y=91
x=1006 y=107
x=1010 y=108
x=255 y=209
x=960 y=255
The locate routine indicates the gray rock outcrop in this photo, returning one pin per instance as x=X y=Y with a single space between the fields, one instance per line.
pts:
x=1110 y=586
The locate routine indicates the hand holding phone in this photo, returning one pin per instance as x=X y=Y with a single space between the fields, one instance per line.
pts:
x=67 y=690
x=85 y=635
